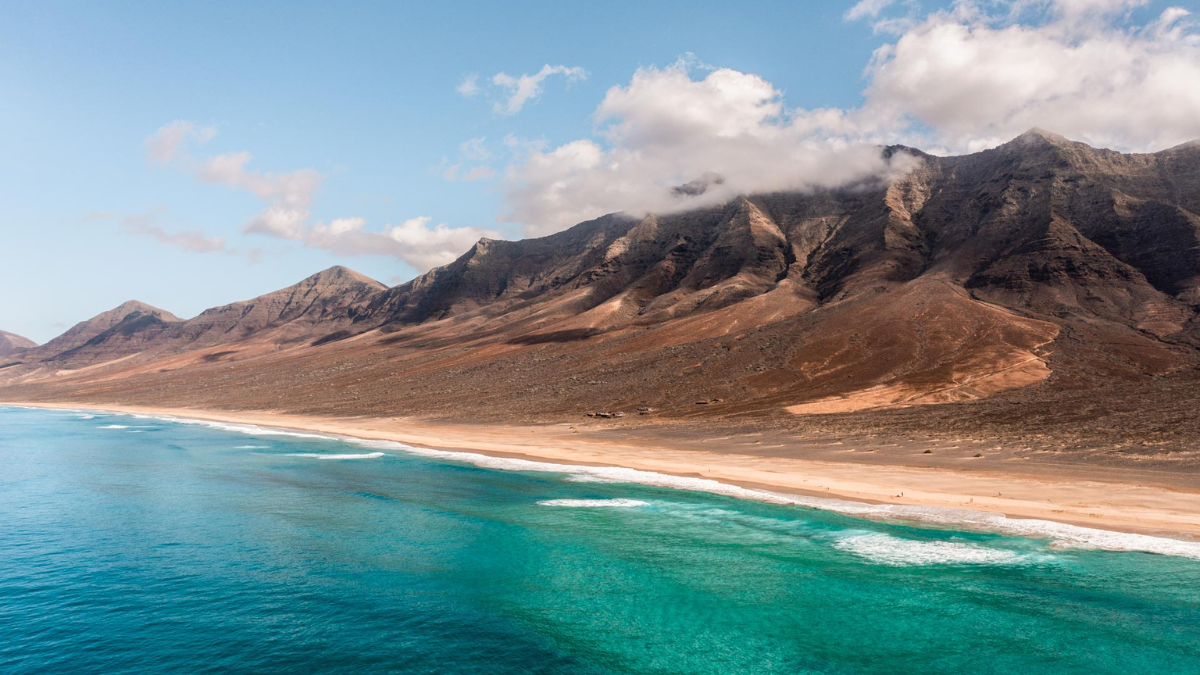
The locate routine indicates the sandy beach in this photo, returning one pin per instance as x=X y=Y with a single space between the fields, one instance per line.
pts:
x=1126 y=503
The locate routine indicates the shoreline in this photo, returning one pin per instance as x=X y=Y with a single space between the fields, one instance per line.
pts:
x=1141 y=508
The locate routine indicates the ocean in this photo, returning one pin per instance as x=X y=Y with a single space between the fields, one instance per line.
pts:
x=134 y=544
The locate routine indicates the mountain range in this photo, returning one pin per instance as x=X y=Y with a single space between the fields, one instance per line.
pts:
x=1043 y=271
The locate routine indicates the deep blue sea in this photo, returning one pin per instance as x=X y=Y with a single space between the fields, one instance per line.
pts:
x=146 y=545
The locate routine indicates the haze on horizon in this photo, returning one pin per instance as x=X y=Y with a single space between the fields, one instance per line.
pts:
x=151 y=160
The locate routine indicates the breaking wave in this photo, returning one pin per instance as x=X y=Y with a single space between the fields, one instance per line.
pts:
x=251 y=429
x=1064 y=535
x=317 y=455
x=594 y=503
x=885 y=549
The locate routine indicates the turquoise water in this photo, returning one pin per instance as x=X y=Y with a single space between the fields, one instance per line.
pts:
x=138 y=545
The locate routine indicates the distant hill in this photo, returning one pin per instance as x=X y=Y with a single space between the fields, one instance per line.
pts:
x=126 y=318
x=317 y=305
x=1043 y=266
x=11 y=343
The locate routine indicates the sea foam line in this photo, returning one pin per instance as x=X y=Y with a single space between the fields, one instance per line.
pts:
x=251 y=429
x=594 y=503
x=317 y=455
x=1061 y=533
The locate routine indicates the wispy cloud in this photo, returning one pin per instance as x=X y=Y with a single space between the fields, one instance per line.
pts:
x=469 y=86
x=522 y=89
x=473 y=151
x=170 y=142
x=287 y=200
x=456 y=172
x=150 y=224
x=866 y=9
x=188 y=240
x=287 y=197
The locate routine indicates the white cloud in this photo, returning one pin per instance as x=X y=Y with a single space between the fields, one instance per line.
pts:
x=959 y=80
x=288 y=196
x=475 y=149
x=665 y=130
x=413 y=241
x=469 y=86
x=456 y=172
x=866 y=9
x=525 y=88
x=170 y=142
x=976 y=81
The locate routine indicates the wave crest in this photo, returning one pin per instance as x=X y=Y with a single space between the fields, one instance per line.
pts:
x=317 y=455
x=594 y=503
x=888 y=550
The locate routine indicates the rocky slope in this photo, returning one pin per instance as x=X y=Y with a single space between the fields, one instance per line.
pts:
x=320 y=305
x=129 y=318
x=1039 y=268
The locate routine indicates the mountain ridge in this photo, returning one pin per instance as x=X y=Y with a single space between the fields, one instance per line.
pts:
x=1041 y=265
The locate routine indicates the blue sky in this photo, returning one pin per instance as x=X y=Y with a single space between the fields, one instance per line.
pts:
x=364 y=94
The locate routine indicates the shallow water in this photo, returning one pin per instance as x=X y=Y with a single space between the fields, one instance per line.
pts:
x=131 y=544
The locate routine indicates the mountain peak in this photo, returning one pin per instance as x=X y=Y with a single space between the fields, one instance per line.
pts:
x=339 y=275
x=116 y=314
x=130 y=306
x=86 y=330
x=1041 y=137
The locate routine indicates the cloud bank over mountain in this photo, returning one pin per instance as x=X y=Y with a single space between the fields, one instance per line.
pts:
x=959 y=80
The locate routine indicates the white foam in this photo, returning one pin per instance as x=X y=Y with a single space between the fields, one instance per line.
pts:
x=250 y=447
x=113 y=426
x=594 y=503
x=252 y=429
x=888 y=550
x=583 y=478
x=86 y=416
x=315 y=455
x=1062 y=534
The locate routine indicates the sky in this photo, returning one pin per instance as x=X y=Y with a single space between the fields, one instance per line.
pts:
x=194 y=154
